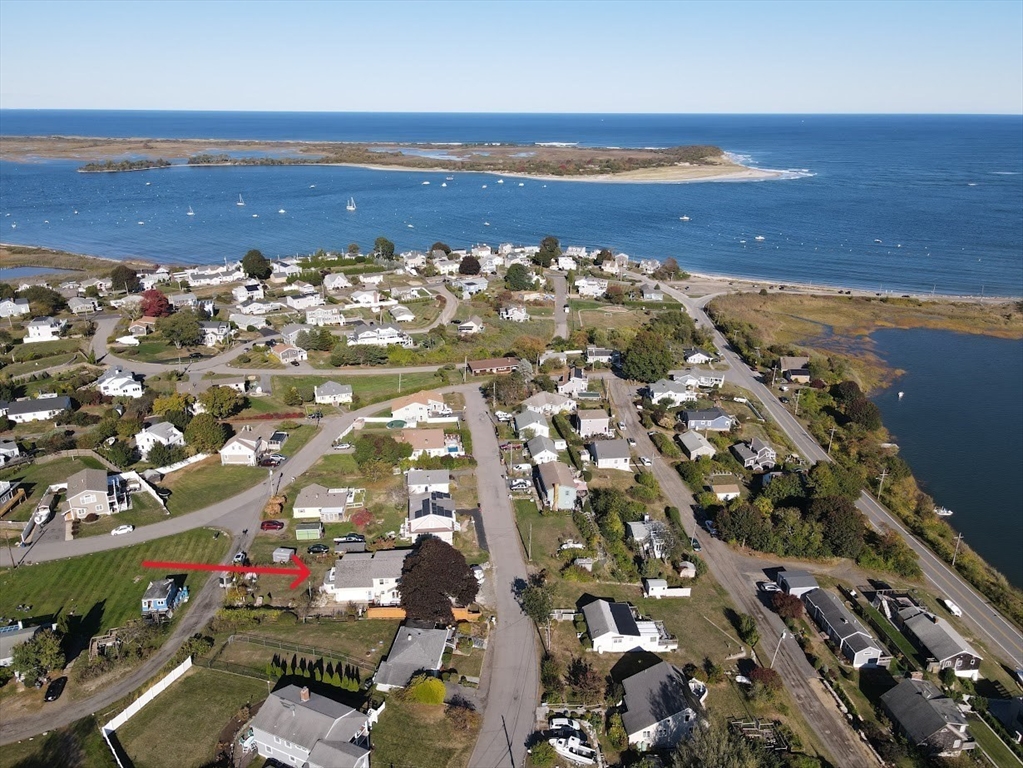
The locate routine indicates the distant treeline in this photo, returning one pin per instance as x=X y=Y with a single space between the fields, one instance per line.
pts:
x=110 y=166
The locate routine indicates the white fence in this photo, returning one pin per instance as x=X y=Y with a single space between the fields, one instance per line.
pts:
x=182 y=464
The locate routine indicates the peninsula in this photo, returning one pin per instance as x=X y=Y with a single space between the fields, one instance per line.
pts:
x=541 y=160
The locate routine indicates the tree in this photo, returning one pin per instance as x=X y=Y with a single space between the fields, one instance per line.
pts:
x=529 y=347
x=615 y=294
x=865 y=413
x=35 y=657
x=432 y=576
x=155 y=304
x=161 y=455
x=518 y=278
x=424 y=689
x=747 y=628
x=181 y=329
x=439 y=246
x=383 y=247
x=7 y=291
x=715 y=748
x=121 y=454
x=175 y=401
x=647 y=358
x=256 y=265
x=550 y=249
x=205 y=433
x=787 y=606
x=353 y=249
x=537 y=603
x=543 y=755
x=293 y=397
x=844 y=529
x=602 y=255
x=124 y=278
x=668 y=270
x=221 y=402
x=768 y=678
x=43 y=301
x=469 y=265
x=585 y=680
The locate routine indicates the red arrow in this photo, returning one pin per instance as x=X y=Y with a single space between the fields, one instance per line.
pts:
x=300 y=575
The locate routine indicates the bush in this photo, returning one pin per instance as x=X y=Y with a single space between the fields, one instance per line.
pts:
x=543 y=755
x=424 y=689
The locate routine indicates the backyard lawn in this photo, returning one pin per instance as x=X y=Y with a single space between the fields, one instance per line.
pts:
x=206 y=483
x=107 y=583
x=36 y=477
x=190 y=715
x=78 y=745
x=368 y=389
x=363 y=641
x=419 y=734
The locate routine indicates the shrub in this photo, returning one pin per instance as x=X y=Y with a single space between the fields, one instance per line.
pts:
x=542 y=755
x=425 y=689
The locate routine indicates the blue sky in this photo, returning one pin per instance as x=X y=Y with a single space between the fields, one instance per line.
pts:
x=809 y=57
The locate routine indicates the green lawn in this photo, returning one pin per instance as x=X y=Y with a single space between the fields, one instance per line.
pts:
x=366 y=640
x=144 y=511
x=206 y=483
x=36 y=477
x=989 y=741
x=419 y=734
x=16 y=369
x=78 y=745
x=42 y=349
x=109 y=583
x=368 y=389
x=297 y=438
x=181 y=726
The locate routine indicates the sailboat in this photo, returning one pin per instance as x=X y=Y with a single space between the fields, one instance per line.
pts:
x=683 y=218
x=240 y=201
x=351 y=204
x=190 y=211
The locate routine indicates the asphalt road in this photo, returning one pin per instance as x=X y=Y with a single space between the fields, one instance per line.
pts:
x=814 y=703
x=560 y=302
x=1001 y=637
x=511 y=676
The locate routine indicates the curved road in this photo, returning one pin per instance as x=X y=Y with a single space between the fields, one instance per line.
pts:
x=1001 y=636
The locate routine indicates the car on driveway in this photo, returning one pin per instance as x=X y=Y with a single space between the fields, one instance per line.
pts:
x=55 y=689
x=271 y=525
x=768 y=586
x=621 y=426
x=318 y=549
x=565 y=724
x=711 y=529
x=349 y=538
x=122 y=529
x=343 y=447
x=278 y=457
x=519 y=485
x=240 y=557
x=696 y=544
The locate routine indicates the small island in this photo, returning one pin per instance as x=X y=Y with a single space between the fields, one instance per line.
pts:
x=541 y=160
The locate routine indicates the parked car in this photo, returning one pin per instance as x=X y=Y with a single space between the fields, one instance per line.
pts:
x=621 y=425
x=954 y=609
x=768 y=586
x=122 y=529
x=632 y=442
x=696 y=544
x=240 y=557
x=343 y=447
x=645 y=461
x=522 y=468
x=278 y=457
x=711 y=528
x=318 y=549
x=349 y=538
x=295 y=363
x=565 y=724
x=55 y=689
x=271 y=525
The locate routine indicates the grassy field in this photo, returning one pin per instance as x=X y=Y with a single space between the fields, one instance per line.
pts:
x=368 y=389
x=419 y=735
x=144 y=511
x=989 y=741
x=190 y=716
x=17 y=369
x=206 y=483
x=42 y=349
x=110 y=584
x=78 y=745
x=36 y=477
x=365 y=641
x=297 y=438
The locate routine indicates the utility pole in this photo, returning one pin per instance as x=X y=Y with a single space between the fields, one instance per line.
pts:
x=399 y=382
x=956 y=553
x=831 y=439
x=529 y=548
x=774 y=375
x=798 y=393
x=880 y=485
x=778 y=647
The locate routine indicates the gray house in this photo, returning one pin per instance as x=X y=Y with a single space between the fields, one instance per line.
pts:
x=542 y=449
x=531 y=424
x=593 y=423
x=711 y=419
x=928 y=719
x=414 y=649
x=756 y=455
x=660 y=710
x=844 y=630
x=297 y=727
x=611 y=454
x=556 y=485
x=944 y=647
x=696 y=445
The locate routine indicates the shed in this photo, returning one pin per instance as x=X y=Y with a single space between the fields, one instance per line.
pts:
x=308 y=531
x=283 y=554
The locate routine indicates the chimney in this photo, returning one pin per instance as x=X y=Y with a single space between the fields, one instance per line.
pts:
x=304 y=693
x=916 y=675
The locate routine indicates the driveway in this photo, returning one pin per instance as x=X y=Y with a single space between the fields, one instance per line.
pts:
x=511 y=679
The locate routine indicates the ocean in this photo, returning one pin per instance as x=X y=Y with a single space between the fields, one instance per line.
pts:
x=942 y=194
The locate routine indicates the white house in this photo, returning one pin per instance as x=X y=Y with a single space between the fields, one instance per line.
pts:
x=365 y=298
x=80 y=306
x=591 y=286
x=658 y=588
x=471 y=326
x=401 y=314
x=383 y=335
x=424 y=442
x=245 y=449
x=93 y=492
x=375 y=279
x=282 y=270
x=14 y=308
x=325 y=315
x=693 y=378
x=549 y=403
x=332 y=393
x=531 y=424
x=162 y=433
x=611 y=454
x=288 y=353
x=696 y=445
x=566 y=264
x=336 y=281
x=756 y=455
x=515 y=313
x=248 y=291
x=431 y=514
x=421 y=481
x=446 y=267
x=542 y=449
x=674 y=393
x=183 y=300
x=573 y=382
x=593 y=423
x=617 y=628
x=215 y=332
x=291 y=331
x=724 y=487
x=470 y=286
x=8 y=450
x=366 y=578
x=43 y=329
x=304 y=301
x=696 y=357
x=37 y=409
x=328 y=505
x=415 y=649
x=660 y=708
x=419 y=407
x=245 y=322
x=259 y=307
x=117 y=382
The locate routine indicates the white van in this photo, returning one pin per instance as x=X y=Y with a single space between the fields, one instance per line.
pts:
x=954 y=609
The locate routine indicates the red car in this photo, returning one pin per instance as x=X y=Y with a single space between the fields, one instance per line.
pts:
x=271 y=525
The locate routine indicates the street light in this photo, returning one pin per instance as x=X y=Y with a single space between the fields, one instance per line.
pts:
x=778 y=647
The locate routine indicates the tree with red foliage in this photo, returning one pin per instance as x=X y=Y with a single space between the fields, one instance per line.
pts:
x=767 y=677
x=787 y=606
x=155 y=304
x=433 y=575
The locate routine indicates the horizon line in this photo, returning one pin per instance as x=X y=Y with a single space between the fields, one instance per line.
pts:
x=509 y=112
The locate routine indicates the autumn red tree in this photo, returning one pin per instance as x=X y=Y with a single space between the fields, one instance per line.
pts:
x=433 y=575
x=155 y=304
x=787 y=606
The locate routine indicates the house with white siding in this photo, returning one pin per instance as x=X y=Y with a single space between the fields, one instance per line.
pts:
x=43 y=329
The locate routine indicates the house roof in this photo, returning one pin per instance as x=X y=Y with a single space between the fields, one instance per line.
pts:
x=36 y=405
x=332 y=388
x=94 y=480
x=743 y=452
x=13 y=635
x=423 y=439
x=797 y=579
x=555 y=473
x=158 y=590
x=435 y=503
x=335 y=754
x=787 y=363
x=413 y=649
x=604 y=617
x=838 y=617
x=757 y=445
x=938 y=636
x=527 y=419
x=360 y=569
x=427 y=397
x=593 y=416
x=694 y=440
x=163 y=430
x=921 y=709
x=610 y=449
x=653 y=695
x=708 y=414
x=493 y=362
x=316 y=495
x=286 y=716
x=427 y=476
x=546 y=400
x=539 y=444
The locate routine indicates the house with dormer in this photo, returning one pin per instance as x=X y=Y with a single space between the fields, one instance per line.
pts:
x=617 y=628
x=756 y=455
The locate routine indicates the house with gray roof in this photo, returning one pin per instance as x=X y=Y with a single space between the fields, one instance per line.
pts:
x=928 y=719
x=944 y=647
x=542 y=449
x=431 y=514
x=617 y=628
x=756 y=454
x=37 y=409
x=696 y=445
x=162 y=433
x=290 y=332
x=844 y=630
x=556 y=486
x=573 y=382
x=415 y=649
x=297 y=727
x=14 y=635
x=710 y=419
x=660 y=709
x=611 y=454
x=549 y=403
x=531 y=424
x=672 y=393
x=328 y=505
x=795 y=583
x=693 y=378
x=332 y=393
x=591 y=423
x=428 y=481
x=93 y=492
x=366 y=578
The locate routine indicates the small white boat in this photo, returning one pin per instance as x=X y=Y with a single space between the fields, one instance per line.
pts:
x=282 y=211
x=351 y=204
x=574 y=750
x=426 y=183
x=410 y=226
x=683 y=218
x=877 y=241
x=190 y=211
x=486 y=223
x=312 y=186
x=943 y=512
x=142 y=223
x=760 y=238
x=521 y=184
x=743 y=242
x=484 y=186
x=901 y=394
x=500 y=181
x=147 y=183
x=443 y=183
x=255 y=215
x=240 y=201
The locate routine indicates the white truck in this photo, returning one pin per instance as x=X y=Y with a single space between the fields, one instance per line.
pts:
x=954 y=609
